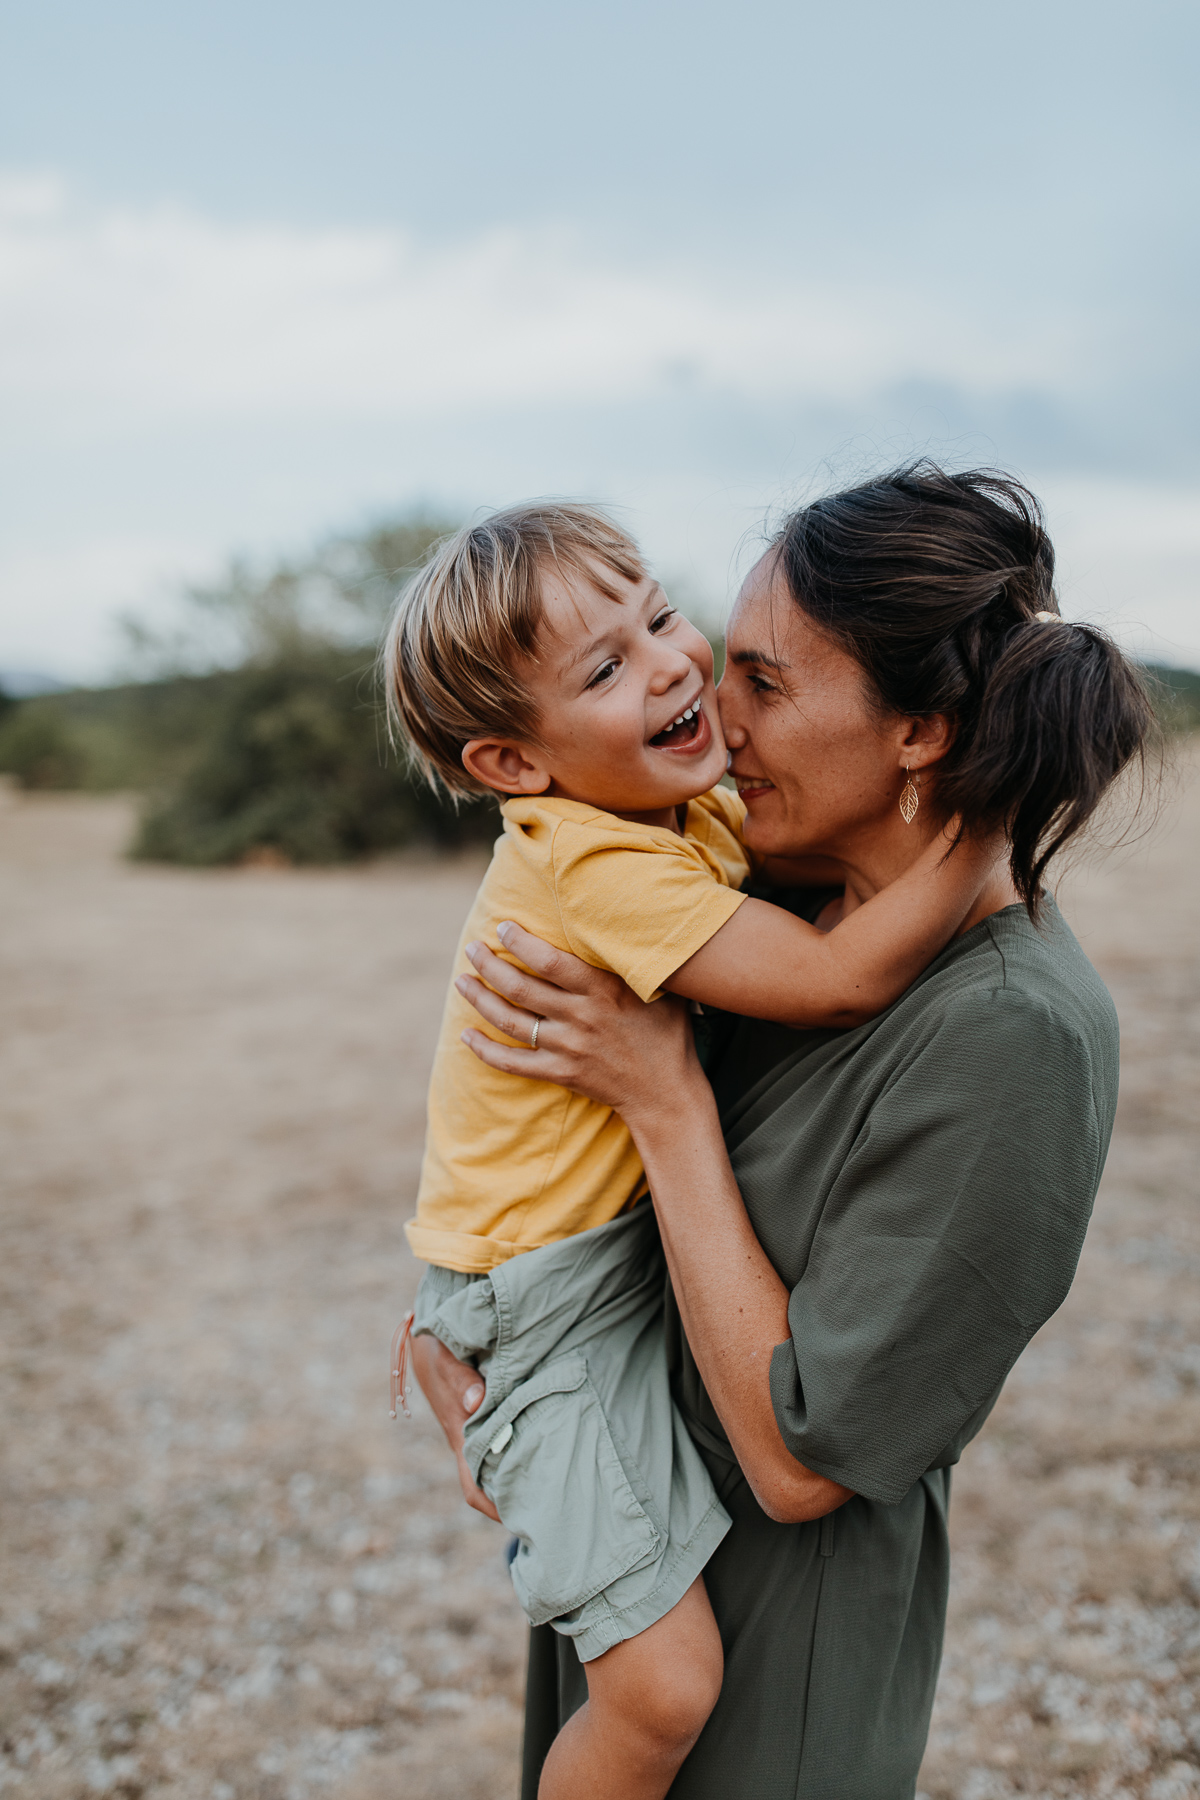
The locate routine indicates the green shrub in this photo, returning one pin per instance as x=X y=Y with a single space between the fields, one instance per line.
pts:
x=295 y=760
x=39 y=748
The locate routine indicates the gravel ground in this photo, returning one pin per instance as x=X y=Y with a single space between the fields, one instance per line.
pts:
x=228 y=1574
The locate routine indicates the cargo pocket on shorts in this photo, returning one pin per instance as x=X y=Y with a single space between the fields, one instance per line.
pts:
x=547 y=1461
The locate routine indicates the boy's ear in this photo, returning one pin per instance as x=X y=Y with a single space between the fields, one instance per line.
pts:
x=504 y=766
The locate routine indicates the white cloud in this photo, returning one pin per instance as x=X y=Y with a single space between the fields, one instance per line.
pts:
x=117 y=318
x=58 y=604
x=174 y=387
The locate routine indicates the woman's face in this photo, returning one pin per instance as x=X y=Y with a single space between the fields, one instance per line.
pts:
x=818 y=768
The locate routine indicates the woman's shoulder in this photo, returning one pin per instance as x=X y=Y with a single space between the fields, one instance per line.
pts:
x=1022 y=991
x=1007 y=1004
x=1042 y=964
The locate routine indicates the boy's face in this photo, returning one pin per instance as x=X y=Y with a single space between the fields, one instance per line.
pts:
x=612 y=678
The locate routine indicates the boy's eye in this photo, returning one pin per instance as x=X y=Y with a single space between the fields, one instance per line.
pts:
x=601 y=675
x=662 y=618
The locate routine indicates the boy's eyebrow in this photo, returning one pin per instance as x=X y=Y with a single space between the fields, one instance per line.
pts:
x=596 y=644
x=759 y=656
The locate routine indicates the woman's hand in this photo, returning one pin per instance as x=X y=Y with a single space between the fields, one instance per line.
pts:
x=595 y=1035
x=454 y=1390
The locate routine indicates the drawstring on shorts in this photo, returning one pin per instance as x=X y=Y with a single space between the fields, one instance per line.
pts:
x=401 y=1342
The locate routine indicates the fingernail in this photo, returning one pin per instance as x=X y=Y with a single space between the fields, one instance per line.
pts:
x=460 y=982
x=503 y=929
x=473 y=949
x=464 y=1037
x=472 y=1397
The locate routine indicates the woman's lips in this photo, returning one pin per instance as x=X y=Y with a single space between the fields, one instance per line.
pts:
x=750 y=788
x=680 y=744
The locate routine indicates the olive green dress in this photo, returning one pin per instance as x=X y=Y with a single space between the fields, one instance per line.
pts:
x=922 y=1184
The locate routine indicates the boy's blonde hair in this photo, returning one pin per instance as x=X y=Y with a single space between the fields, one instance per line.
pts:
x=454 y=650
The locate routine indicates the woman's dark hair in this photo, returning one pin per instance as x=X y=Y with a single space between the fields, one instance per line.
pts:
x=933 y=583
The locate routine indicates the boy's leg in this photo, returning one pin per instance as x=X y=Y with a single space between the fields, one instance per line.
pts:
x=648 y=1700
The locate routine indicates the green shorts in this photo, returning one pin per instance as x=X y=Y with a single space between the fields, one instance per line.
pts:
x=578 y=1443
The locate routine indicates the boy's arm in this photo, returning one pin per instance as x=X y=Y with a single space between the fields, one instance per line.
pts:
x=767 y=964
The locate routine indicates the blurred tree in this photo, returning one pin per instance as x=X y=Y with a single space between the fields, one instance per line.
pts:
x=295 y=758
x=39 y=748
x=295 y=761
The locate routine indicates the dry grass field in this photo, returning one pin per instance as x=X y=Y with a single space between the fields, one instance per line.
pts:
x=227 y=1574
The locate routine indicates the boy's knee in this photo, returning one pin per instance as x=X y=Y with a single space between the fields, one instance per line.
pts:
x=673 y=1710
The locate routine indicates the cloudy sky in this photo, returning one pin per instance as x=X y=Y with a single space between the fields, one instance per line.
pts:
x=267 y=271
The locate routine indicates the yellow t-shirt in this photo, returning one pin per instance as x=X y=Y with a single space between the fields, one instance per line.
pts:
x=511 y=1163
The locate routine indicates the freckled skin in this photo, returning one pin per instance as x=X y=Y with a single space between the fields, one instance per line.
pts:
x=819 y=768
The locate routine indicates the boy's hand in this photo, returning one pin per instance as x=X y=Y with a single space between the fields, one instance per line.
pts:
x=454 y=1391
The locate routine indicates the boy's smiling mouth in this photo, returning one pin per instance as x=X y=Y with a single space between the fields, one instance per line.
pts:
x=689 y=732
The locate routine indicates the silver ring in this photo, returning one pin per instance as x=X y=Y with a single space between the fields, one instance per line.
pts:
x=537 y=1026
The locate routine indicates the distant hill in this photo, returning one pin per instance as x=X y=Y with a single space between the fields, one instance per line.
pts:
x=1177 y=696
x=22 y=684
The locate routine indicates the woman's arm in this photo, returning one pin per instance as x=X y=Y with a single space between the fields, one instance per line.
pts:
x=599 y=1039
x=767 y=964
x=733 y=1305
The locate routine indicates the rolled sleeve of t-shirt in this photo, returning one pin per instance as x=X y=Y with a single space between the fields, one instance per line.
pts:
x=640 y=911
x=951 y=1234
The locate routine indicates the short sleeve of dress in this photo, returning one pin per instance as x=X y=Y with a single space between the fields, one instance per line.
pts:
x=950 y=1234
x=640 y=908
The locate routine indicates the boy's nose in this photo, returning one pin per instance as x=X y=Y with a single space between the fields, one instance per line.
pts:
x=673 y=669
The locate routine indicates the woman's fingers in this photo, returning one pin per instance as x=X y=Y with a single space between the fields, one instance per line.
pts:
x=498 y=1012
x=523 y=990
x=537 y=1064
x=558 y=966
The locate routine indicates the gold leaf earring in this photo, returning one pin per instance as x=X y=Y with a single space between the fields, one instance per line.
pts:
x=909 y=799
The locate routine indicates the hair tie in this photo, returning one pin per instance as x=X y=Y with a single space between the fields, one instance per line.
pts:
x=1048 y=618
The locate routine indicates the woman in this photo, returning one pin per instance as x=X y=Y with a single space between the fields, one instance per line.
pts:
x=863 y=1228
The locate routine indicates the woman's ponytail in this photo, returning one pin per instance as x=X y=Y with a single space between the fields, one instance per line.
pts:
x=942 y=588
x=1061 y=715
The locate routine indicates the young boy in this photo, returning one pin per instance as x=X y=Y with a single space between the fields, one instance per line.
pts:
x=535 y=658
